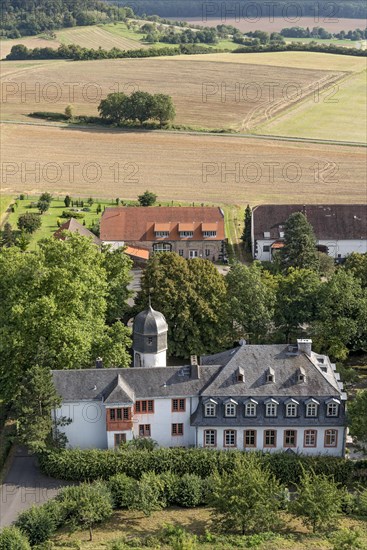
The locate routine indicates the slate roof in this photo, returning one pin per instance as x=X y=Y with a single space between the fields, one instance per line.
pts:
x=74 y=226
x=97 y=384
x=132 y=224
x=329 y=221
x=218 y=379
x=255 y=362
x=150 y=322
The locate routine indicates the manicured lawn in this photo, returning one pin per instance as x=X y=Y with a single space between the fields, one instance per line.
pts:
x=5 y=201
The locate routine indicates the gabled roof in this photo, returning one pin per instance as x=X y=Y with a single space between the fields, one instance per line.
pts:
x=74 y=226
x=329 y=221
x=132 y=224
x=121 y=393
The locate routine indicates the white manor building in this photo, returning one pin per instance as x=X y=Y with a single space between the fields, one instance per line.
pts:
x=264 y=397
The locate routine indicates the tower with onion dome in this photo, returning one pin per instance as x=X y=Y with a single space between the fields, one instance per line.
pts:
x=150 y=339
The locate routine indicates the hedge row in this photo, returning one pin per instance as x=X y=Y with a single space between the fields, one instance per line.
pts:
x=89 y=465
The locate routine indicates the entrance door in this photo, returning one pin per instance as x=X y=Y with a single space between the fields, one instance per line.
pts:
x=193 y=254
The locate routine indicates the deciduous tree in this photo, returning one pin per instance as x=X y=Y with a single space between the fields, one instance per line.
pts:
x=357 y=415
x=299 y=244
x=148 y=198
x=163 y=109
x=29 y=222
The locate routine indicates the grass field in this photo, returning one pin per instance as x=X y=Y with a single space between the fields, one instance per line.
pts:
x=206 y=93
x=200 y=168
x=130 y=525
x=340 y=113
x=5 y=201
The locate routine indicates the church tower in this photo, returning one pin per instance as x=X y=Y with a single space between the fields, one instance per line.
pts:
x=150 y=339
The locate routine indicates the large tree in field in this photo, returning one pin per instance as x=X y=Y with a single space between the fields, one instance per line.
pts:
x=246 y=499
x=250 y=302
x=114 y=107
x=299 y=244
x=341 y=323
x=191 y=295
x=297 y=299
x=54 y=306
x=163 y=109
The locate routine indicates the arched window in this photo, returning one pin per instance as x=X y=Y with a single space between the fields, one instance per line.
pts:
x=291 y=409
x=271 y=409
x=311 y=409
x=230 y=409
x=250 y=409
x=332 y=409
x=210 y=409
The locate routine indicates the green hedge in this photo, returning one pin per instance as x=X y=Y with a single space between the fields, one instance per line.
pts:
x=88 y=465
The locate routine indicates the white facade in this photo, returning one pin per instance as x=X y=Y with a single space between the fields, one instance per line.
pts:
x=158 y=359
x=87 y=429
x=336 y=249
x=300 y=447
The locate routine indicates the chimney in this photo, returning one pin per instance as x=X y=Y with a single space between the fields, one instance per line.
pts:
x=305 y=346
x=99 y=363
x=195 y=367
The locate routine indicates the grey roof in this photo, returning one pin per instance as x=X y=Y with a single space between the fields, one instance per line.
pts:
x=256 y=362
x=123 y=385
x=150 y=322
x=102 y=384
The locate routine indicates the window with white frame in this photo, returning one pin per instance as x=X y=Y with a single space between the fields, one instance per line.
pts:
x=291 y=409
x=311 y=410
x=210 y=233
x=271 y=409
x=161 y=247
x=332 y=409
x=331 y=438
x=184 y=234
x=250 y=409
x=230 y=438
x=162 y=234
x=230 y=409
x=210 y=409
x=210 y=438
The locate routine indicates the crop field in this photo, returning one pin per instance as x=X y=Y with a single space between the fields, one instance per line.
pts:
x=340 y=113
x=181 y=167
x=207 y=93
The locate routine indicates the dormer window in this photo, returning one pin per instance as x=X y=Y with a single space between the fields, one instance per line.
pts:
x=250 y=408
x=270 y=376
x=271 y=408
x=210 y=409
x=332 y=408
x=186 y=234
x=209 y=234
x=291 y=409
x=312 y=408
x=240 y=375
x=230 y=409
x=160 y=234
x=301 y=375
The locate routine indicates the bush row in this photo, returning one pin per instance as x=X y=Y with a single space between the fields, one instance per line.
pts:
x=89 y=465
x=300 y=47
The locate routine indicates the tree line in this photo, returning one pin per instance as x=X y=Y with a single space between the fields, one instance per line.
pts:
x=142 y=106
x=320 y=32
x=32 y=17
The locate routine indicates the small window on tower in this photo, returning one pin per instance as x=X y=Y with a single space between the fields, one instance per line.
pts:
x=150 y=341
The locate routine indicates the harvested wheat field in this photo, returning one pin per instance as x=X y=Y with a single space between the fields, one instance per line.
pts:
x=218 y=169
x=207 y=94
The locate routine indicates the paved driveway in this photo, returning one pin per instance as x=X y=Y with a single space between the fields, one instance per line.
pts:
x=23 y=486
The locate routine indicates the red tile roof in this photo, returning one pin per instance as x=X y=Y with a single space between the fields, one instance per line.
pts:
x=139 y=253
x=139 y=223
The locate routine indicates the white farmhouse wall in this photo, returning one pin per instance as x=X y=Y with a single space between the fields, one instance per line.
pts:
x=145 y=360
x=336 y=249
x=161 y=424
x=88 y=424
x=115 y=244
x=319 y=449
x=259 y=253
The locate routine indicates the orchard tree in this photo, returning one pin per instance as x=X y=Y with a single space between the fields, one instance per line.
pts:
x=87 y=504
x=7 y=237
x=43 y=206
x=299 y=244
x=29 y=222
x=318 y=502
x=148 y=198
x=246 y=499
x=250 y=302
x=67 y=201
x=296 y=300
x=148 y=494
x=163 y=109
x=46 y=197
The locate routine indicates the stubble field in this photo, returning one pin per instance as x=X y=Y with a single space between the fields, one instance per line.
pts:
x=207 y=93
x=200 y=168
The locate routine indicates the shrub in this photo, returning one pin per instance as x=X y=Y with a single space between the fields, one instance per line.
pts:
x=38 y=523
x=178 y=538
x=11 y=538
x=29 y=222
x=189 y=491
x=345 y=539
x=122 y=488
x=149 y=494
x=77 y=215
x=169 y=481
